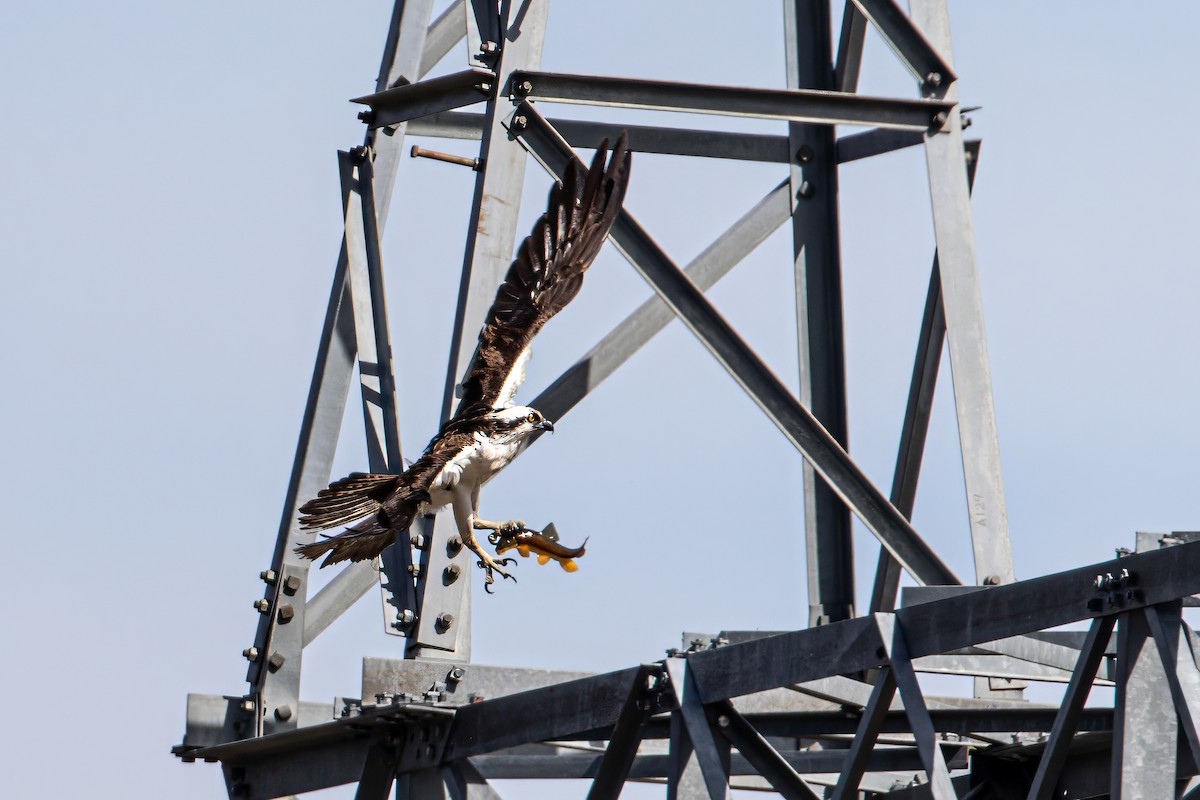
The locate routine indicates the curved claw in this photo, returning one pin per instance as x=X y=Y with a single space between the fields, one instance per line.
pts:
x=494 y=538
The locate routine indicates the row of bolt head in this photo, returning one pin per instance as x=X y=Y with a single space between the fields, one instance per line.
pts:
x=291 y=584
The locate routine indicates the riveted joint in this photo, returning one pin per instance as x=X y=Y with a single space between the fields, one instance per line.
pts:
x=251 y=654
x=275 y=662
x=286 y=614
x=262 y=606
x=523 y=88
x=291 y=584
x=269 y=576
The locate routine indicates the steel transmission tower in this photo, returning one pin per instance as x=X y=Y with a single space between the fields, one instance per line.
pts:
x=854 y=720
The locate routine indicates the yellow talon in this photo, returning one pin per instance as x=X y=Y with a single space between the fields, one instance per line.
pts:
x=543 y=558
x=569 y=565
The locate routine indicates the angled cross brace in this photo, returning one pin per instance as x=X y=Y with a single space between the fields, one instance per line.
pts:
x=916 y=415
x=1067 y=720
x=963 y=303
x=901 y=670
x=850 y=46
x=864 y=738
x=379 y=769
x=701 y=745
x=758 y=751
x=797 y=424
x=914 y=50
x=626 y=736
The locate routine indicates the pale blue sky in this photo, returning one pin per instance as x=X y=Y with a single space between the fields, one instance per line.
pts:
x=169 y=218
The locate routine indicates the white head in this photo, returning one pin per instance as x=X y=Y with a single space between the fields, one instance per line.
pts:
x=519 y=421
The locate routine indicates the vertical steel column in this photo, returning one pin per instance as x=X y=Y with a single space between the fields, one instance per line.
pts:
x=830 y=553
x=365 y=272
x=1145 y=728
x=443 y=623
x=971 y=376
x=274 y=673
x=378 y=382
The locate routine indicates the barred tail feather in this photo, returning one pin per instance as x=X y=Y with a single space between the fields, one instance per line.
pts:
x=351 y=498
x=361 y=542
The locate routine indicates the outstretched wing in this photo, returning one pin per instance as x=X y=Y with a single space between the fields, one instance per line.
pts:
x=545 y=276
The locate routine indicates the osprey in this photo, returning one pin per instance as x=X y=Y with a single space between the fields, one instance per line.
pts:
x=488 y=430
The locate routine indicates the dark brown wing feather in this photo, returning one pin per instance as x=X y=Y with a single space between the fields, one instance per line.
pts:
x=387 y=503
x=547 y=272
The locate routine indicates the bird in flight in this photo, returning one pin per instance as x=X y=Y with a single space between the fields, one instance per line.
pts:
x=487 y=431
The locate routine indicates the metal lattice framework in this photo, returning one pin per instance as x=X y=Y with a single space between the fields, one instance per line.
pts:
x=837 y=705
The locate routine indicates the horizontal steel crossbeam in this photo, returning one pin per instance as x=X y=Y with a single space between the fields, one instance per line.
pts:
x=413 y=100
x=797 y=105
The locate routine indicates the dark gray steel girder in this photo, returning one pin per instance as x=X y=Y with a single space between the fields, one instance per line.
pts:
x=817 y=266
x=829 y=108
x=945 y=625
x=432 y=96
x=678 y=141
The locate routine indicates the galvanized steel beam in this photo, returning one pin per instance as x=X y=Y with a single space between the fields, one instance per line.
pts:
x=618 y=758
x=711 y=759
x=1067 y=720
x=962 y=299
x=913 y=49
x=443 y=93
x=678 y=141
x=818 y=280
x=828 y=108
x=915 y=427
x=766 y=760
x=443 y=622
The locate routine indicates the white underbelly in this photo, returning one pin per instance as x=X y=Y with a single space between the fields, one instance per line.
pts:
x=467 y=471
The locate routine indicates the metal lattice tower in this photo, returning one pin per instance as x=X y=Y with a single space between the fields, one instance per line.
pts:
x=712 y=717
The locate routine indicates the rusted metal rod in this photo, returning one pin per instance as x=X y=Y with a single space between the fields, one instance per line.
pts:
x=450 y=158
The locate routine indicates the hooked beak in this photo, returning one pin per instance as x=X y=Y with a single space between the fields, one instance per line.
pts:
x=546 y=425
